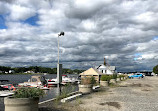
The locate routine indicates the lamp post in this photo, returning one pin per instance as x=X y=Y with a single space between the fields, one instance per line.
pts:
x=59 y=67
x=61 y=33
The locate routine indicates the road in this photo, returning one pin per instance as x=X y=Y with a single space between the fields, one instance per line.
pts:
x=129 y=95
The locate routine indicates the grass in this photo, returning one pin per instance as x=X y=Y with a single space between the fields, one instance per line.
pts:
x=79 y=101
x=112 y=85
x=65 y=91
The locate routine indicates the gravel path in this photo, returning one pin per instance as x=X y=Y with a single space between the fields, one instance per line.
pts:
x=130 y=95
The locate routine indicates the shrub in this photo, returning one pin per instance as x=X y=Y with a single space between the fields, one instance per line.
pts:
x=65 y=91
x=120 y=76
x=114 y=76
x=105 y=78
x=155 y=69
x=28 y=93
x=88 y=80
x=93 y=81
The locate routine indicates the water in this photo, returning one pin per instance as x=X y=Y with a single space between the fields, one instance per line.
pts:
x=17 y=78
x=49 y=94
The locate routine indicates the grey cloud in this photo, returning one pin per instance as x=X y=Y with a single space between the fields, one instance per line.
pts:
x=92 y=31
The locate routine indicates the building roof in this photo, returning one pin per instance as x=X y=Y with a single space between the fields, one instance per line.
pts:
x=102 y=66
x=91 y=71
x=113 y=68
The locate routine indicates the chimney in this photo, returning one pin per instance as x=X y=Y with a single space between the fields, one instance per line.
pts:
x=104 y=61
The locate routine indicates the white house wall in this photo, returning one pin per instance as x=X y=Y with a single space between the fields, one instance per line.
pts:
x=109 y=72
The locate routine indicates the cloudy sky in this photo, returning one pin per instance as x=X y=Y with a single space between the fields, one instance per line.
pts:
x=123 y=31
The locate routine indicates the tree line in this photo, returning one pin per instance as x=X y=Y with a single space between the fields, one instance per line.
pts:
x=155 y=69
x=37 y=69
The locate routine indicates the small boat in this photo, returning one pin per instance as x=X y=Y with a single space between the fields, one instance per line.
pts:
x=6 y=93
x=65 y=79
x=35 y=81
x=5 y=86
x=52 y=82
x=44 y=88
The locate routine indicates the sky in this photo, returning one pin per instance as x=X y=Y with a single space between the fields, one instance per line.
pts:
x=123 y=31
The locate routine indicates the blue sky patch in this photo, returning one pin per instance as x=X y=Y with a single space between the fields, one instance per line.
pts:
x=155 y=38
x=32 y=20
x=137 y=55
x=2 y=22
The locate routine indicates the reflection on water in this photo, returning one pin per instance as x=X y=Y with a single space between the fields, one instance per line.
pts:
x=1 y=104
x=54 y=91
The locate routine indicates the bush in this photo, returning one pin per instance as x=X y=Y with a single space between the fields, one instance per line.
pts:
x=93 y=81
x=120 y=76
x=28 y=93
x=88 y=80
x=105 y=78
x=65 y=91
x=114 y=76
x=155 y=69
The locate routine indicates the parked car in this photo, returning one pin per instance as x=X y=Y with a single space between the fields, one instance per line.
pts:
x=137 y=75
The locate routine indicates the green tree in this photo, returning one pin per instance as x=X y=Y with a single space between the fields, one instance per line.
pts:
x=155 y=69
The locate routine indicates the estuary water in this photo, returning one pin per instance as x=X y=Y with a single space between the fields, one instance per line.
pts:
x=49 y=94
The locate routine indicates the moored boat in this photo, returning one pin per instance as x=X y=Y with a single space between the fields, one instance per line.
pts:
x=6 y=93
x=35 y=81
x=5 y=86
x=65 y=80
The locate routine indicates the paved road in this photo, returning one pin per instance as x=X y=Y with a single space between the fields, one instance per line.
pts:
x=130 y=95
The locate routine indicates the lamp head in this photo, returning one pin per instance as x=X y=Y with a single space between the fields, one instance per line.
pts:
x=61 y=33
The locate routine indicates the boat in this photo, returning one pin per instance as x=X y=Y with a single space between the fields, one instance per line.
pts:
x=5 y=86
x=69 y=79
x=65 y=80
x=35 y=81
x=52 y=82
x=6 y=93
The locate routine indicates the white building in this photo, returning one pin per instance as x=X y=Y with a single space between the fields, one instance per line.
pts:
x=29 y=72
x=11 y=71
x=106 y=69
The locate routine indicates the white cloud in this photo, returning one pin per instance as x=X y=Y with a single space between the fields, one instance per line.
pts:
x=148 y=56
x=146 y=17
x=19 y=12
x=88 y=25
x=117 y=29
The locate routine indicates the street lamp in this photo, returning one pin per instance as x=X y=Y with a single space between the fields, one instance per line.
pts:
x=59 y=67
x=60 y=34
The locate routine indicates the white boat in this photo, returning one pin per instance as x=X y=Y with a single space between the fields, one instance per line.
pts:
x=6 y=93
x=5 y=86
x=35 y=81
x=52 y=82
x=65 y=79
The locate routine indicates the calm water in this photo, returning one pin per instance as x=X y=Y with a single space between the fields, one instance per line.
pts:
x=52 y=93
